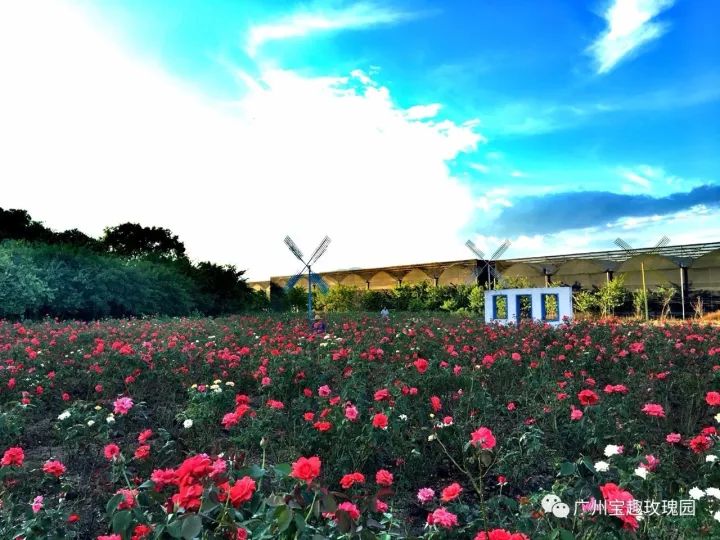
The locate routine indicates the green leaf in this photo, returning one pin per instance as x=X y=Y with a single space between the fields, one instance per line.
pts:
x=588 y=463
x=275 y=500
x=566 y=535
x=328 y=503
x=344 y=523
x=284 y=518
x=175 y=529
x=567 y=469
x=191 y=527
x=121 y=521
x=113 y=503
x=282 y=470
x=299 y=522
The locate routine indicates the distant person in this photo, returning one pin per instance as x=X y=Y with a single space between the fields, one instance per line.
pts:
x=385 y=313
x=319 y=325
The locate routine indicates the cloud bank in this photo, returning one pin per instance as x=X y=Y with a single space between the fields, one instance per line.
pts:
x=93 y=136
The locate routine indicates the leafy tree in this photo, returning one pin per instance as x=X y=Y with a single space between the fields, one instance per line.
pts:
x=222 y=288
x=341 y=298
x=376 y=300
x=611 y=295
x=476 y=299
x=18 y=225
x=665 y=295
x=297 y=298
x=22 y=290
x=134 y=240
x=585 y=301
x=638 y=301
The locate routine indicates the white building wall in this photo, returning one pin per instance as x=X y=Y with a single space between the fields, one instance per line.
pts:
x=564 y=298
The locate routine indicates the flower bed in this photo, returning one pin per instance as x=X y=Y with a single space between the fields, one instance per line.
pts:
x=435 y=428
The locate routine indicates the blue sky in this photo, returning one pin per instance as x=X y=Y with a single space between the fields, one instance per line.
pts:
x=557 y=124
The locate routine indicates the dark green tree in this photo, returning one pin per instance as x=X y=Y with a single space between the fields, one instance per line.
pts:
x=134 y=240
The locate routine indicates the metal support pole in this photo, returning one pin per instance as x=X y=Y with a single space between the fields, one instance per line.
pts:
x=310 y=317
x=682 y=290
x=645 y=293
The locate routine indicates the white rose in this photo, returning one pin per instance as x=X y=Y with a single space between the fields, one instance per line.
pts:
x=91 y=423
x=187 y=424
x=602 y=466
x=716 y=516
x=612 y=450
x=64 y=415
x=641 y=472
x=696 y=493
x=110 y=419
x=711 y=458
x=713 y=492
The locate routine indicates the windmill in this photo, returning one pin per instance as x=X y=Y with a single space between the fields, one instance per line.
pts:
x=664 y=241
x=488 y=263
x=313 y=279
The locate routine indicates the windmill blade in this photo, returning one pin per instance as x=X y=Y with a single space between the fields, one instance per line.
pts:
x=494 y=273
x=319 y=251
x=318 y=281
x=664 y=241
x=293 y=281
x=499 y=251
x=472 y=247
x=293 y=247
x=623 y=244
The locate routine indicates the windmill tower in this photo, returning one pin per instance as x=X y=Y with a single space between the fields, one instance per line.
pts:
x=493 y=275
x=313 y=279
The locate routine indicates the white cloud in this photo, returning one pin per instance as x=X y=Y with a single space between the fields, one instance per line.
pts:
x=494 y=198
x=479 y=167
x=629 y=26
x=308 y=21
x=646 y=178
x=691 y=226
x=91 y=136
x=636 y=179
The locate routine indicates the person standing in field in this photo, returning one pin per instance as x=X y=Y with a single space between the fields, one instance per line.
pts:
x=319 y=325
x=385 y=313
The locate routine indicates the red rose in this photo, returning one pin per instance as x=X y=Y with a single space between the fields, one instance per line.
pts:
x=588 y=397
x=55 y=468
x=13 y=456
x=306 y=468
x=383 y=478
x=111 y=451
x=380 y=421
x=451 y=492
x=242 y=491
x=353 y=478
x=620 y=501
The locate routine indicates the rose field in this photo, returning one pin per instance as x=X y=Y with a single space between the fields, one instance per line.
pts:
x=419 y=427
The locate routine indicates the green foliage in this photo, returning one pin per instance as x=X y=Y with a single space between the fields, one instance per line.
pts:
x=57 y=280
x=585 y=302
x=513 y=282
x=341 y=298
x=22 y=290
x=134 y=240
x=665 y=295
x=638 y=302
x=297 y=299
x=611 y=295
x=476 y=299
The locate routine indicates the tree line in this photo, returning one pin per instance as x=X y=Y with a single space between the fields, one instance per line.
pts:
x=131 y=270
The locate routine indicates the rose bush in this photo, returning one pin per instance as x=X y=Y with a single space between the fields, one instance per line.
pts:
x=255 y=427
